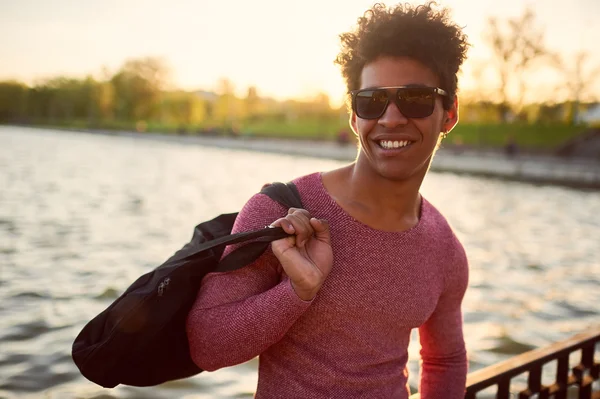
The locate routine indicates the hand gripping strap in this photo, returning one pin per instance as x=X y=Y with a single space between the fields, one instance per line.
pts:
x=288 y=196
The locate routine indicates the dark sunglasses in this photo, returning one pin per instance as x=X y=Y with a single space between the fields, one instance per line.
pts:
x=412 y=101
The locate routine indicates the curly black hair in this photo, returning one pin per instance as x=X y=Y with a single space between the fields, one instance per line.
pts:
x=419 y=32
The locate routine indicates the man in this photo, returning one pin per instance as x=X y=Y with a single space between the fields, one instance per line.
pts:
x=330 y=310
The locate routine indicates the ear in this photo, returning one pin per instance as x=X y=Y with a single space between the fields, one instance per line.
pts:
x=451 y=116
x=352 y=122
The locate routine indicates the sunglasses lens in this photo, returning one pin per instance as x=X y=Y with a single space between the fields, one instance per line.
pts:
x=370 y=104
x=416 y=103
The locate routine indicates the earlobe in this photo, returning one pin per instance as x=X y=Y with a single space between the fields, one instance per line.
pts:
x=451 y=116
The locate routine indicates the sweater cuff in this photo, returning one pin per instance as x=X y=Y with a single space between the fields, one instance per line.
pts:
x=291 y=294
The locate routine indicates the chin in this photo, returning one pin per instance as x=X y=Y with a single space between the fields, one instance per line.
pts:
x=404 y=172
x=397 y=175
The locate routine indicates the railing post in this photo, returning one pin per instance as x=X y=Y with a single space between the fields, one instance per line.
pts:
x=470 y=395
x=562 y=377
x=504 y=388
x=534 y=382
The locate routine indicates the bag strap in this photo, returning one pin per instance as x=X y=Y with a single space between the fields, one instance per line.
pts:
x=284 y=193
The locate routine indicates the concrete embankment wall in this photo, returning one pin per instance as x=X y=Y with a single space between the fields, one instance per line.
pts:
x=582 y=173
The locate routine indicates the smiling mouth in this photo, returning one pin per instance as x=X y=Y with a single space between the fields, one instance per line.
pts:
x=393 y=144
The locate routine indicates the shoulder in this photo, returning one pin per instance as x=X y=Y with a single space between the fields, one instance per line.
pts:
x=307 y=184
x=437 y=225
x=260 y=210
x=446 y=238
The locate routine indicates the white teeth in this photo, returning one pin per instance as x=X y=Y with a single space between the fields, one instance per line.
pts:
x=389 y=144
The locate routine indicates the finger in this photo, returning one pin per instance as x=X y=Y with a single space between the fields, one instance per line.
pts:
x=300 y=221
x=283 y=245
x=302 y=226
x=301 y=216
x=321 y=228
x=285 y=225
x=299 y=210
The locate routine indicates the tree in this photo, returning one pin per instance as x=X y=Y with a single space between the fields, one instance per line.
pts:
x=63 y=98
x=322 y=107
x=13 y=101
x=105 y=100
x=517 y=46
x=579 y=81
x=252 y=103
x=225 y=108
x=183 y=109
x=138 y=86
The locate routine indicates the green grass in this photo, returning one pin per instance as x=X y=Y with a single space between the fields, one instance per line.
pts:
x=527 y=136
x=534 y=136
x=313 y=129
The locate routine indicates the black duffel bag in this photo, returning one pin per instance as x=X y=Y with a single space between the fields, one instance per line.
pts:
x=140 y=339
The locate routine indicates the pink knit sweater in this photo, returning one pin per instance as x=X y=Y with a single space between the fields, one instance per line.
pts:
x=351 y=340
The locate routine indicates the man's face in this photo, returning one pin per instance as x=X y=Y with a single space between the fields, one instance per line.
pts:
x=383 y=150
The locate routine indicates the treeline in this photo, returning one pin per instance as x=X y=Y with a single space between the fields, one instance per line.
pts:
x=138 y=96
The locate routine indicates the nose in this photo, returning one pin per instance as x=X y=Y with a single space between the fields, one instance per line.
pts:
x=392 y=117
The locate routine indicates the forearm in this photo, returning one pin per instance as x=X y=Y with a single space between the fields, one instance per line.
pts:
x=444 y=363
x=443 y=355
x=444 y=377
x=233 y=333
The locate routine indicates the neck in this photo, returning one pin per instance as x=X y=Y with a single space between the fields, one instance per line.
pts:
x=375 y=200
x=399 y=197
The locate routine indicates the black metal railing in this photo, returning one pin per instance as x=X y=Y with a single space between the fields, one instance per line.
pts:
x=570 y=381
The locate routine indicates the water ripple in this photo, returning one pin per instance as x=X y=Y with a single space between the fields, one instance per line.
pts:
x=76 y=228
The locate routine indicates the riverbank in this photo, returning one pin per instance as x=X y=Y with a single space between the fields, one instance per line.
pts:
x=538 y=169
x=582 y=173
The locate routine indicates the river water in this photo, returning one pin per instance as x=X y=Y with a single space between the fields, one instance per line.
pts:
x=83 y=215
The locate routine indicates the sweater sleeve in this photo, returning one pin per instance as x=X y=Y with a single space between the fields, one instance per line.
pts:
x=239 y=314
x=443 y=353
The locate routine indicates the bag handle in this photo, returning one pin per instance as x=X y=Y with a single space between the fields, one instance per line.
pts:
x=284 y=193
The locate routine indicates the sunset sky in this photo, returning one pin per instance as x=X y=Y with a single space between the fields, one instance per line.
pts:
x=284 y=48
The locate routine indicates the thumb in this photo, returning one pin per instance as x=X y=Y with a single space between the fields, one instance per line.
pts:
x=321 y=227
